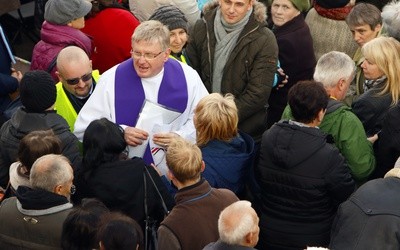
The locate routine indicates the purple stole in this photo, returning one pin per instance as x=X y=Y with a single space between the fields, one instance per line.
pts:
x=129 y=94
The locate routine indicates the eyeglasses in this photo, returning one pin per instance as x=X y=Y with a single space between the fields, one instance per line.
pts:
x=147 y=56
x=73 y=189
x=75 y=81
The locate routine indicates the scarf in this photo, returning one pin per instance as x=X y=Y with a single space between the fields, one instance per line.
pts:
x=368 y=84
x=335 y=13
x=226 y=36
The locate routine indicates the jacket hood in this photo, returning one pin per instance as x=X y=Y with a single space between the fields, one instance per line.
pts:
x=292 y=144
x=259 y=10
x=333 y=105
x=63 y=35
x=22 y=122
x=228 y=162
x=31 y=200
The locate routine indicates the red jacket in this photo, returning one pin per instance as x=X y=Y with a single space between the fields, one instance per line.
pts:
x=111 y=30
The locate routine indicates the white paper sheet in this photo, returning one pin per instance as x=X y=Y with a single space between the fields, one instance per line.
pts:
x=154 y=118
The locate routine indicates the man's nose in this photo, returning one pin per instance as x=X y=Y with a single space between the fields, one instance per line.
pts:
x=357 y=36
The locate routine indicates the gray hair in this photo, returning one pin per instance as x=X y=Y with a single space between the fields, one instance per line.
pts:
x=333 y=66
x=152 y=31
x=50 y=171
x=391 y=19
x=364 y=13
x=235 y=222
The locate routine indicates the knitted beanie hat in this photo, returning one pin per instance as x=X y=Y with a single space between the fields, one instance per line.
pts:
x=170 y=16
x=332 y=4
x=301 y=5
x=64 y=11
x=37 y=91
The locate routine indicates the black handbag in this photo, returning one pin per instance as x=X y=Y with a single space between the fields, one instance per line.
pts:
x=151 y=225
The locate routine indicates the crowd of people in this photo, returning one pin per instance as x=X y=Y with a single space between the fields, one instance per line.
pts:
x=214 y=124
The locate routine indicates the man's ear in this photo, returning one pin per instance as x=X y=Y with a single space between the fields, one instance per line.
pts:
x=341 y=83
x=167 y=52
x=57 y=189
x=378 y=27
x=58 y=75
x=249 y=238
x=203 y=166
x=321 y=115
x=170 y=175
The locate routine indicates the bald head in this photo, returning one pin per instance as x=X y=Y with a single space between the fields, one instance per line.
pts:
x=238 y=224
x=71 y=54
x=73 y=65
x=51 y=171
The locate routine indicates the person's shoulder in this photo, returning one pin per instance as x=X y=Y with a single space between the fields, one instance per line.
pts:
x=227 y=195
x=110 y=73
x=188 y=70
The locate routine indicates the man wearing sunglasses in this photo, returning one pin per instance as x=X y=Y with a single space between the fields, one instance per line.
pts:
x=34 y=218
x=77 y=82
x=150 y=75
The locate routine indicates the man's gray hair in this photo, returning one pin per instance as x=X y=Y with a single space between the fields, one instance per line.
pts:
x=152 y=31
x=333 y=66
x=50 y=171
x=235 y=222
x=391 y=19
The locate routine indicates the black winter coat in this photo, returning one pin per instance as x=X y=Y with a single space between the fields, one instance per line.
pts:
x=370 y=219
x=371 y=108
x=21 y=124
x=120 y=186
x=387 y=147
x=303 y=179
x=297 y=59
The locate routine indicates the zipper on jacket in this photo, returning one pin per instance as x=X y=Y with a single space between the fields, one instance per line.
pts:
x=209 y=51
x=246 y=68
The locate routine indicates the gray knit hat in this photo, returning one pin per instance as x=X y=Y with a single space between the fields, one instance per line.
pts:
x=37 y=91
x=170 y=16
x=64 y=11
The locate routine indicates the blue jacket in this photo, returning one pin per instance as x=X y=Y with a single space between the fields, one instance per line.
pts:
x=228 y=163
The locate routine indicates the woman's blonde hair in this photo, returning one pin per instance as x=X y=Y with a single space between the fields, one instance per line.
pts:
x=216 y=118
x=384 y=52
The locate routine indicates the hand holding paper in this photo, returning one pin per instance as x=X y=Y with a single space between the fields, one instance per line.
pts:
x=134 y=136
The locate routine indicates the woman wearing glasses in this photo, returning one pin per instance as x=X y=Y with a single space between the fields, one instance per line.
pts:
x=109 y=175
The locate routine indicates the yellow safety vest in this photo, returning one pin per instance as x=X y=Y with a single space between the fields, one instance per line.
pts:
x=64 y=106
x=182 y=57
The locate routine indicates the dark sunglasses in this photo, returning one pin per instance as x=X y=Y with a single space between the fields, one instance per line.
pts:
x=75 y=81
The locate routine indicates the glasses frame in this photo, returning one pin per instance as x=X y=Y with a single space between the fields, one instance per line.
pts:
x=75 y=81
x=146 y=56
x=72 y=189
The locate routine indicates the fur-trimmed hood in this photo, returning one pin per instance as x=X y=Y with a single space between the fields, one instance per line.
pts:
x=259 y=9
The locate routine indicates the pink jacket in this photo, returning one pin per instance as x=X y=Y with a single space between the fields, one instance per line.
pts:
x=55 y=38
